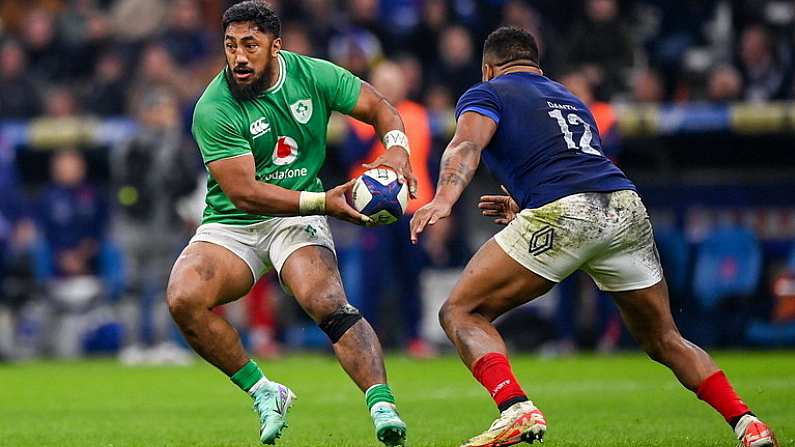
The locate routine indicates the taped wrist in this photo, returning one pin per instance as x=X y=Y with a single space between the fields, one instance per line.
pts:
x=338 y=323
x=396 y=138
x=311 y=203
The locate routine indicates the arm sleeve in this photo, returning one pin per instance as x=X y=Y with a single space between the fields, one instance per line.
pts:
x=338 y=86
x=216 y=134
x=480 y=99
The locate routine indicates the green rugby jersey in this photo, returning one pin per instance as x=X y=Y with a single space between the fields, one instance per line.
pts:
x=284 y=128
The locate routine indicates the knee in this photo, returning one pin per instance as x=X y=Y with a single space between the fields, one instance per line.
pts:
x=448 y=315
x=182 y=300
x=338 y=322
x=321 y=304
x=664 y=347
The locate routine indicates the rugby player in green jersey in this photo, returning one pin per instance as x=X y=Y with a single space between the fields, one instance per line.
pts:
x=261 y=128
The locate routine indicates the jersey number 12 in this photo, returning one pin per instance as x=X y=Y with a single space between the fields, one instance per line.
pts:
x=574 y=119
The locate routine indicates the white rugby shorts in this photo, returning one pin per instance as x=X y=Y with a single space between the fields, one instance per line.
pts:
x=267 y=245
x=607 y=235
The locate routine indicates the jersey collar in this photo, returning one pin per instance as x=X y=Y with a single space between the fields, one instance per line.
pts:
x=282 y=76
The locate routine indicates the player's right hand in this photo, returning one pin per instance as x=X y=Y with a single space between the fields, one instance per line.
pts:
x=337 y=205
x=502 y=208
x=429 y=214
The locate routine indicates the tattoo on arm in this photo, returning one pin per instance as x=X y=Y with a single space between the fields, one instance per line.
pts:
x=456 y=168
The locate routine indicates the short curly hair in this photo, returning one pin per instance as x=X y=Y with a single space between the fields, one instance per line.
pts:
x=509 y=43
x=257 y=11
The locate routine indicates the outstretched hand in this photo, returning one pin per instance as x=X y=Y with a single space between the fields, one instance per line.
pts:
x=337 y=205
x=501 y=207
x=429 y=214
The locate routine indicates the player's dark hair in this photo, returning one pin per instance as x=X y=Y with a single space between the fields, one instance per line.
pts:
x=256 y=11
x=509 y=43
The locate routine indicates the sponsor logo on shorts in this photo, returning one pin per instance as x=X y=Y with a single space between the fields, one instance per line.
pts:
x=541 y=240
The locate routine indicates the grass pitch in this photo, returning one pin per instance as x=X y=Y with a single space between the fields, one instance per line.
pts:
x=623 y=400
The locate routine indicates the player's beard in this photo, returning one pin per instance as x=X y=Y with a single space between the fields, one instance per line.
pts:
x=254 y=88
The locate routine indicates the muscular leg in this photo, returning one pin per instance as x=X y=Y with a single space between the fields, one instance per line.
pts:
x=648 y=317
x=311 y=274
x=207 y=275
x=492 y=284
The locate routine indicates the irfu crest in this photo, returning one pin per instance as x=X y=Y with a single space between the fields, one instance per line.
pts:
x=302 y=110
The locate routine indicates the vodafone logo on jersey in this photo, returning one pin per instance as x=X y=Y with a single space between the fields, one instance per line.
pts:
x=285 y=152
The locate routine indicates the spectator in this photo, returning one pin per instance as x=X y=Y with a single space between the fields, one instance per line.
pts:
x=105 y=92
x=602 y=45
x=19 y=97
x=357 y=50
x=435 y=18
x=764 y=76
x=72 y=215
x=724 y=84
x=364 y=14
x=133 y=21
x=406 y=259
x=152 y=174
x=412 y=70
x=17 y=234
x=60 y=103
x=647 y=87
x=185 y=37
x=158 y=70
x=297 y=40
x=320 y=24
x=85 y=30
x=520 y=14
x=48 y=57
x=458 y=67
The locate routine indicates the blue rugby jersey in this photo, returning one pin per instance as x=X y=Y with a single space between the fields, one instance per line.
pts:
x=546 y=145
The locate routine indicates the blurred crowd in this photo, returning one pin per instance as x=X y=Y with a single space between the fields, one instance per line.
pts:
x=88 y=233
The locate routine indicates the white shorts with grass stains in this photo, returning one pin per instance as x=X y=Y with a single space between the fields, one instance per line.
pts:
x=607 y=235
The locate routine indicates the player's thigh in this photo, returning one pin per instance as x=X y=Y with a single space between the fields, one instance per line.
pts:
x=312 y=276
x=647 y=314
x=208 y=274
x=493 y=283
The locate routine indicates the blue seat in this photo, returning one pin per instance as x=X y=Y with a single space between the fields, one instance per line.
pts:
x=791 y=261
x=675 y=257
x=111 y=268
x=728 y=264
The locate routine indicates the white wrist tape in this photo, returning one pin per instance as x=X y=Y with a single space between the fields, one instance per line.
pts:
x=396 y=138
x=311 y=203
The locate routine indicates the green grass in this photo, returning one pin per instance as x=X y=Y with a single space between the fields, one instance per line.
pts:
x=589 y=401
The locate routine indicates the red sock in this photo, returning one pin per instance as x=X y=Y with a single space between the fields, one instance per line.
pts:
x=494 y=372
x=718 y=392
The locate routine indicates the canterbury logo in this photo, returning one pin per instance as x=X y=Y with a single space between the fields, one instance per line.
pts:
x=259 y=127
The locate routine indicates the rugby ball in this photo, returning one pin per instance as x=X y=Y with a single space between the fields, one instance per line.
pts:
x=378 y=194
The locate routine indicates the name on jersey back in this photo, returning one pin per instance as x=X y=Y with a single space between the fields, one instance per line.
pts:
x=555 y=105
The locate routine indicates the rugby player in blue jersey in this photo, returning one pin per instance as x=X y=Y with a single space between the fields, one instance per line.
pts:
x=569 y=208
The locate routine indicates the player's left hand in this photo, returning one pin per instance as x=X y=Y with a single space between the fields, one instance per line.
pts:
x=501 y=207
x=398 y=159
x=429 y=214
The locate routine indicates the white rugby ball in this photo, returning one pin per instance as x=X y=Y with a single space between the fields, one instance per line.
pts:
x=378 y=194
